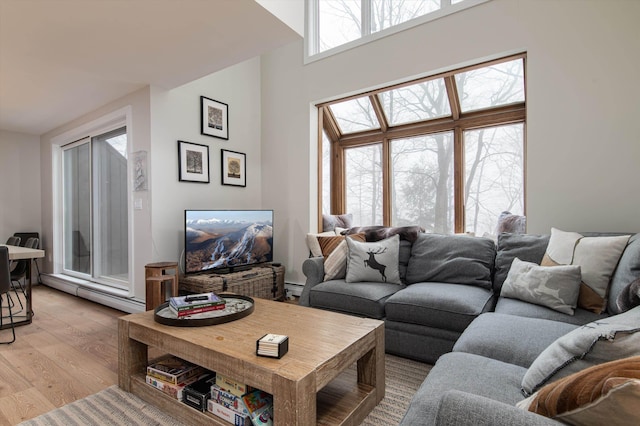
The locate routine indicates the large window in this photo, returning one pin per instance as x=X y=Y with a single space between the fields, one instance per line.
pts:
x=444 y=152
x=95 y=208
x=335 y=23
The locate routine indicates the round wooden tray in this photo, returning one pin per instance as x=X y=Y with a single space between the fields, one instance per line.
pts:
x=237 y=307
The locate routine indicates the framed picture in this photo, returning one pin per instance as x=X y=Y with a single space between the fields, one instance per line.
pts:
x=193 y=162
x=214 y=118
x=234 y=169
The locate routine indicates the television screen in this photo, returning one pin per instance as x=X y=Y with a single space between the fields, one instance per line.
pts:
x=227 y=239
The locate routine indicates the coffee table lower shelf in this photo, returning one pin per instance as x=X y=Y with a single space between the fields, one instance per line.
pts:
x=342 y=401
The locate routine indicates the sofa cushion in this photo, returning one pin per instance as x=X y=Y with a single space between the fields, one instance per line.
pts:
x=376 y=261
x=365 y=299
x=598 y=257
x=516 y=307
x=527 y=247
x=608 y=394
x=457 y=259
x=468 y=373
x=499 y=336
x=595 y=343
x=439 y=305
x=556 y=288
x=628 y=270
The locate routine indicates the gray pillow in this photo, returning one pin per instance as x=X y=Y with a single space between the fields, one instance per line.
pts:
x=598 y=342
x=374 y=262
x=554 y=287
x=331 y=221
x=456 y=259
x=527 y=247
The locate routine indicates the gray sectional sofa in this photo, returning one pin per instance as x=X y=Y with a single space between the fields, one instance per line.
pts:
x=448 y=311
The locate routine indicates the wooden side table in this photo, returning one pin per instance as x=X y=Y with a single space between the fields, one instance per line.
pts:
x=157 y=278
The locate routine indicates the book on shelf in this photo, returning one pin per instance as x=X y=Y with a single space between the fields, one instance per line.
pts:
x=228 y=414
x=229 y=400
x=172 y=369
x=263 y=416
x=195 y=301
x=173 y=390
x=256 y=400
x=233 y=386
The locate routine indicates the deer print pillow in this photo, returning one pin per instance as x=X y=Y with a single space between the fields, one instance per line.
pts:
x=373 y=262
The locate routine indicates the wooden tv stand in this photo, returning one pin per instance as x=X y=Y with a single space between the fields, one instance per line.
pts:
x=314 y=383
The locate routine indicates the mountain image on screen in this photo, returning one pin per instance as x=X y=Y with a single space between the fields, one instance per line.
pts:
x=227 y=243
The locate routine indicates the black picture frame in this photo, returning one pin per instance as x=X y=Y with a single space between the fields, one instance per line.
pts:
x=233 y=167
x=214 y=118
x=193 y=162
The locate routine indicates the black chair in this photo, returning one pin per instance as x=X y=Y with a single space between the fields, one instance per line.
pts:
x=24 y=236
x=20 y=271
x=5 y=287
x=13 y=241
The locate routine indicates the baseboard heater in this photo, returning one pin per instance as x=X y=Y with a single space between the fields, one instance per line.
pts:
x=84 y=290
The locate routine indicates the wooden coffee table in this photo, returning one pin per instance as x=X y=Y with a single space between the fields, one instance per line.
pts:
x=312 y=384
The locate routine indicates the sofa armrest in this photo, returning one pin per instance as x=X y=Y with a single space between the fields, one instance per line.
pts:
x=464 y=409
x=313 y=269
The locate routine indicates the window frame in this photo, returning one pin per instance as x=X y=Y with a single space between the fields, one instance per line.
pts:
x=458 y=122
x=312 y=35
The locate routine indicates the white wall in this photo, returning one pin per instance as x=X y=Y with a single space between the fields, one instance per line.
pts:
x=159 y=119
x=175 y=115
x=582 y=104
x=20 y=189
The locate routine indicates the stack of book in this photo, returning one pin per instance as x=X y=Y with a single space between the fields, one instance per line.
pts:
x=183 y=306
x=171 y=375
x=239 y=404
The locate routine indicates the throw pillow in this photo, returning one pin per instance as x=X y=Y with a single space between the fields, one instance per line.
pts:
x=377 y=233
x=331 y=221
x=335 y=264
x=312 y=243
x=556 y=288
x=604 y=394
x=375 y=262
x=595 y=343
x=597 y=256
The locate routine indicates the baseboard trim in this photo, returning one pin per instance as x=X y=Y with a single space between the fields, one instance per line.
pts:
x=293 y=289
x=114 y=301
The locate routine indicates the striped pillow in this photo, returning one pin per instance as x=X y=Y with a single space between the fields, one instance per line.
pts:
x=334 y=250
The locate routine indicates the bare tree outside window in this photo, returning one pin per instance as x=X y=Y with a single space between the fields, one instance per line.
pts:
x=363 y=184
x=388 y=13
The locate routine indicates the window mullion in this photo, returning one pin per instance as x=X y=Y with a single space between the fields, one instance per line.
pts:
x=386 y=182
x=365 y=17
x=458 y=177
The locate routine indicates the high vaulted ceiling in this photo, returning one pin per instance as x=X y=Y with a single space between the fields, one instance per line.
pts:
x=62 y=58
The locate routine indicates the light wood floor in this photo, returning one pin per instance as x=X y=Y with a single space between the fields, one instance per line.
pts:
x=69 y=351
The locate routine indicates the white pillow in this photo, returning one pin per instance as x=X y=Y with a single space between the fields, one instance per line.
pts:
x=598 y=257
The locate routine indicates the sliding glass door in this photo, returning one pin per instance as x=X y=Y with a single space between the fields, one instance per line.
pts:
x=95 y=207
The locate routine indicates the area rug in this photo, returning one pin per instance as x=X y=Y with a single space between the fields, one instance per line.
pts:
x=113 y=406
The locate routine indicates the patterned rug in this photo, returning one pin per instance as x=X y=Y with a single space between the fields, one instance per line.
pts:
x=113 y=406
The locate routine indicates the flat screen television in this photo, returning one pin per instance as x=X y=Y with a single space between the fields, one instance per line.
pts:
x=227 y=240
